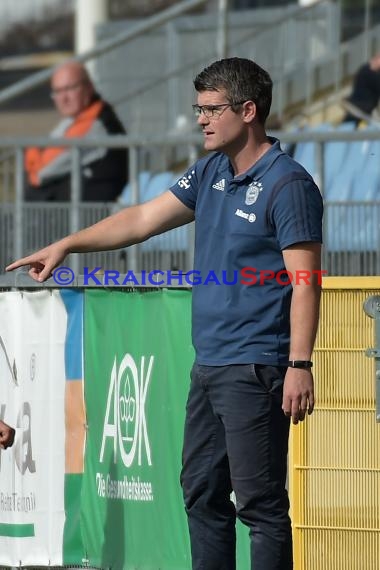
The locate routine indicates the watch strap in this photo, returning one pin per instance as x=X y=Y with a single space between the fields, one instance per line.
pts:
x=300 y=364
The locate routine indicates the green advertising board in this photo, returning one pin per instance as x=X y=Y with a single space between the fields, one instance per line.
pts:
x=138 y=356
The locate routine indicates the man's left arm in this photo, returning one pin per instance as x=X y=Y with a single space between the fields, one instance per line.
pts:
x=303 y=262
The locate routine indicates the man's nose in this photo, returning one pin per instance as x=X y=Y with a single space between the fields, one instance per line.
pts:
x=202 y=119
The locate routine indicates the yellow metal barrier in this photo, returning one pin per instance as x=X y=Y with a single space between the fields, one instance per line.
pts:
x=334 y=460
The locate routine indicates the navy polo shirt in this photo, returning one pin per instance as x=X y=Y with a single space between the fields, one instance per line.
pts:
x=241 y=303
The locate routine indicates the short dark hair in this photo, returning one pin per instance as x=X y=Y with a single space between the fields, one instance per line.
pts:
x=242 y=79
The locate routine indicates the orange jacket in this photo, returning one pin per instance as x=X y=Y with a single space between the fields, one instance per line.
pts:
x=36 y=158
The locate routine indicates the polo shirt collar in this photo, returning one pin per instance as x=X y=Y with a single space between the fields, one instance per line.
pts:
x=260 y=167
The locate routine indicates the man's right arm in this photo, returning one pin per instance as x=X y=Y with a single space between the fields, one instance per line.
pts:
x=129 y=226
x=7 y=435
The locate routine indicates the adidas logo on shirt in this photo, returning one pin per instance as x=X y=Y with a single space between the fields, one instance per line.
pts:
x=220 y=185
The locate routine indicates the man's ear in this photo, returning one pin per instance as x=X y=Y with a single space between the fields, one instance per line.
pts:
x=249 y=110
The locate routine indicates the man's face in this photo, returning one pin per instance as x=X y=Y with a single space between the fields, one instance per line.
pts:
x=223 y=129
x=71 y=93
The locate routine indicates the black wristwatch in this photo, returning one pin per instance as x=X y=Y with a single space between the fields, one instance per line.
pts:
x=300 y=363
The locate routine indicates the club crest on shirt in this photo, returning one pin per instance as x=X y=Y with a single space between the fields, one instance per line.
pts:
x=253 y=192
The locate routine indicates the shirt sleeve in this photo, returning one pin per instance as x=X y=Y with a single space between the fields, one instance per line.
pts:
x=186 y=188
x=297 y=212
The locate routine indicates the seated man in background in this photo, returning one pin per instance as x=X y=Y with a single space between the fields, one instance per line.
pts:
x=365 y=94
x=84 y=114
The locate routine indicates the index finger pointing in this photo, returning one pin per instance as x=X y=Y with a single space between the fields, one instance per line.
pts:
x=19 y=263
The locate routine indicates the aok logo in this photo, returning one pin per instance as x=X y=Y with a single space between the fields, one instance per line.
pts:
x=124 y=420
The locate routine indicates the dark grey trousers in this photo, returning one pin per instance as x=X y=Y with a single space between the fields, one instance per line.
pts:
x=236 y=438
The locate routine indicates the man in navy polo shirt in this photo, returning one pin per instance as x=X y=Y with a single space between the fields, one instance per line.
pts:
x=258 y=217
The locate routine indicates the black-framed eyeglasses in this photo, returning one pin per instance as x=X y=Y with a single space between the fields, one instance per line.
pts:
x=61 y=90
x=213 y=111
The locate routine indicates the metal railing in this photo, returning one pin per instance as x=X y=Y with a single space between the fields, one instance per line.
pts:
x=27 y=226
x=352 y=228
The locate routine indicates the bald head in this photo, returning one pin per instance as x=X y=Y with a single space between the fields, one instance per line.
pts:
x=72 y=89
